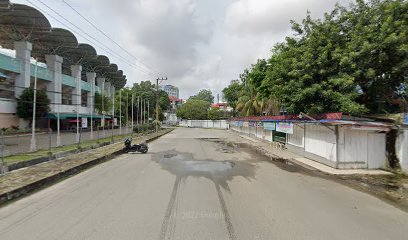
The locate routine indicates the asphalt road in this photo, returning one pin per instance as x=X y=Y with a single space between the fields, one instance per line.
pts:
x=189 y=186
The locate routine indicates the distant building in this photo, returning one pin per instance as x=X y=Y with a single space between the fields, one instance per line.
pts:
x=171 y=90
x=175 y=102
x=223 y=107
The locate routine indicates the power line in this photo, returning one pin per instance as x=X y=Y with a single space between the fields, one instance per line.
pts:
x=107 y=36
x=106 y=49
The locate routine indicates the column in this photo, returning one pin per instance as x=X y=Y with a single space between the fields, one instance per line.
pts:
x=76 y=93
x=23 y=53
x=54 y=88
x=112 y=91
x=90 y=100
x=108 y=89
x=101 y=85
x=90 y=77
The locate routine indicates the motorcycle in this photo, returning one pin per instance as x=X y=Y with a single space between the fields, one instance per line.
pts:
x=142 y=148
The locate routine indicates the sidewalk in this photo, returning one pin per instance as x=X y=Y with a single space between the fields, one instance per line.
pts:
x=22 y=181
x=305 y=162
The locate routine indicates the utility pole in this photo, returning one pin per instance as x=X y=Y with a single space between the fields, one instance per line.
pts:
x=33 y=143
x=157 y=101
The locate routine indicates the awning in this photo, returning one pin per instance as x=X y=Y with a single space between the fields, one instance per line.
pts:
x=64 y=116
x=2 y=75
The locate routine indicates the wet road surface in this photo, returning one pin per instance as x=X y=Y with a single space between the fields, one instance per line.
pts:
x=193 y=186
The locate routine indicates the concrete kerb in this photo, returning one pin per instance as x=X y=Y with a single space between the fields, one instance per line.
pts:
x=41 y=183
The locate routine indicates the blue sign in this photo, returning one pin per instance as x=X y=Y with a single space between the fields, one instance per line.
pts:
x=405 y=121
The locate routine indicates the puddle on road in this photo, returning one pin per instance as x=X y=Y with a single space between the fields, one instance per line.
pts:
x=220 y=172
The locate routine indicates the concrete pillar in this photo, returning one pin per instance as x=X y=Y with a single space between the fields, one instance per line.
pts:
x=90 y=76
x=113 y=100
x=23 y=53
x=76 y=93
x=108 y=89
x=54 y=88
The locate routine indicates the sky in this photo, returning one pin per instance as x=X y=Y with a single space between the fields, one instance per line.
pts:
x=197 y=44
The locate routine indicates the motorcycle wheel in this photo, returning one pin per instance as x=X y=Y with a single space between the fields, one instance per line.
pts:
x=145 y=150
x=125 y=150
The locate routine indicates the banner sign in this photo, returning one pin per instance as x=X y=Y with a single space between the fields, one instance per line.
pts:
x=269 y=126
x=259 y=124
x=284 y=127
x=115 y=122
x=252 y=124
x=84 y=122
x=405 y=121
x=245 y=124
x=240 y=123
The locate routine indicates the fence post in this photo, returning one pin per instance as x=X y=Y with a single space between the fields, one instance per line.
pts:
x=3 y=168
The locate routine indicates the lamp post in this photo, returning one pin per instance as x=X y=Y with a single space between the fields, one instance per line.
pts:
x=157 y=100
x=33 y=143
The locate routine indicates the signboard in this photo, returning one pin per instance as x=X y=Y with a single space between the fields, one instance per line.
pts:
x=270 y=126
x=84 y=122
x=252 y=124
x=245 y=124
x=259 y=124
x=240 y=123
x=284 y=127
x=115 y=122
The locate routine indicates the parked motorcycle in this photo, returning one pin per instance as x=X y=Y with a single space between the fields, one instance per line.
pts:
x=142 y=148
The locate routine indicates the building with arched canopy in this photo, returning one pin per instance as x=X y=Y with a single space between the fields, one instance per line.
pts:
x=70 y=72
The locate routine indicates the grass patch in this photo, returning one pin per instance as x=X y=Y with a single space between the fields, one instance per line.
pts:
x=44 y=152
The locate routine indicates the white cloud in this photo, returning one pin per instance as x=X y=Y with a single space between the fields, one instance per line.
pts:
x=197 y=44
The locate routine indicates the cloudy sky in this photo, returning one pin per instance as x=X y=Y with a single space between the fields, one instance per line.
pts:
x=195 y=43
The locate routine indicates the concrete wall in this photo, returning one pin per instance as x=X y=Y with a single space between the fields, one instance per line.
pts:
x=321 y=141
x=361 y=148
x=219 y=124
x=402 y=149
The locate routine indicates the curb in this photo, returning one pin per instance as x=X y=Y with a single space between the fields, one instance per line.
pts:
x=39 y=184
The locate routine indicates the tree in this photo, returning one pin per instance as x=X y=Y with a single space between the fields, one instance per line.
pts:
x=194 y=109
x=106 y=106
x=215 y=114
x=204 y=95
x=232 y=93
x=353 y=60
x=25 y=104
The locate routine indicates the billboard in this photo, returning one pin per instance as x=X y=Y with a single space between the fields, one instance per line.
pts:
x=84 y=122
x=284 y=127
x=270 y=126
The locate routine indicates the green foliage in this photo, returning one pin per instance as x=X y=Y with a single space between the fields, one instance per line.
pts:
x=194 y=109
x=145 y=91
x=103 y=103
x=353 y=60
x=215 y=114
x=25 y=104
x=232 y=93
x=204 y=95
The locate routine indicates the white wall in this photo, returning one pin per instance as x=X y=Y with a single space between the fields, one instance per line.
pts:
x=361 y=148
x=297 y=138
x=8 y=105
x=219 y=124
x=402 y=149
x=321 y=141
